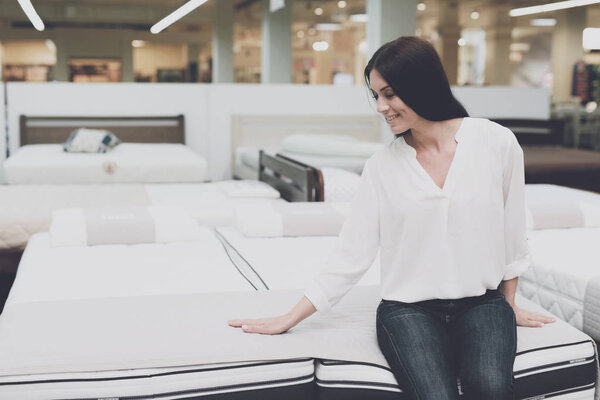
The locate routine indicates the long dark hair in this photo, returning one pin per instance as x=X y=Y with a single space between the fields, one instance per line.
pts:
x=413 y=69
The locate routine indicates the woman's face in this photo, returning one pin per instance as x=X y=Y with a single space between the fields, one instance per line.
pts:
x=398 y=115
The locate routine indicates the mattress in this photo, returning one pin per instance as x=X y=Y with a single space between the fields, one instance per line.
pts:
x=246 y=159
x=27 y=209
x=47 y=345
x=555 y=361
x=126 y=163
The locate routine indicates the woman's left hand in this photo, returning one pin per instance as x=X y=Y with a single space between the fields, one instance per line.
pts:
x=531 y=319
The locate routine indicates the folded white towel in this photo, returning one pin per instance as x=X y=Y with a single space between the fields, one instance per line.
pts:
x=291 y=219
x=96 y=226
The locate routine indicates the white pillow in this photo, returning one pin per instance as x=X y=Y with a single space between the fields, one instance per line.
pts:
x=329 y=145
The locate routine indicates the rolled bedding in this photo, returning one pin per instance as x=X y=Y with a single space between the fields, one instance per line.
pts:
x=133 y=225
x=291 y=219
x=562 y=215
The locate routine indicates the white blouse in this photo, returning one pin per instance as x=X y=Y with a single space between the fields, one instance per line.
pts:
x=435 y=243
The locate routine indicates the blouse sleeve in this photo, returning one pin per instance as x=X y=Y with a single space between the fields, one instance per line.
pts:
x=355 y=249
x=515 y=236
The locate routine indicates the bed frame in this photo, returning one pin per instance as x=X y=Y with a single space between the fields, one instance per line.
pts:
x=270 y=130
x=150 y=129
x=294 y=180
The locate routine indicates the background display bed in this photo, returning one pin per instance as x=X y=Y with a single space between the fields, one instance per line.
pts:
x=250 y=133
x=563 y=276
x=547 y=161
x=137 y=132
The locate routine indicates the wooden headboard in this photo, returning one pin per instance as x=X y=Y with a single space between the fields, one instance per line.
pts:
x=535 y=131
x=161 y=129
x=294 y=180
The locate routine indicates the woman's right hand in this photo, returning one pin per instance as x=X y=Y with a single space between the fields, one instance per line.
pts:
x=265 y=326
x=276 y=325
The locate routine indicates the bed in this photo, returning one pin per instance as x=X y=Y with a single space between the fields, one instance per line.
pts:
x=251 y=133
x=90 y=341
x=152 y=151
x=547 y=161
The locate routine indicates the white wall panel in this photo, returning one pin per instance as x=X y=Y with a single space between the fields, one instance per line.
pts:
x=504 y=101
x=112 y=99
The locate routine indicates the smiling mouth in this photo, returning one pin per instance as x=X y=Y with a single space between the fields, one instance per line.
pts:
x=392 y=117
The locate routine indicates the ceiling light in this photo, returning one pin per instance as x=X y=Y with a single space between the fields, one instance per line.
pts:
x=421 y=6
x=342 y=4
x=33 y=16
x=462 y=42
x=543 y=22
x=137 y=43
x=359 y=18
x=320 y=45
x=475 y=15
x=318 y=11
x=560 y=5
x=328 y=27
x=176 y=15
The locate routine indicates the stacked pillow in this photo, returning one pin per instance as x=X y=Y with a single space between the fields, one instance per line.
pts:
x=85 y=140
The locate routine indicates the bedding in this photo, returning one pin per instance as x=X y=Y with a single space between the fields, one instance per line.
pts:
x=85 y=140
x=22 y=213
x=129 y=225
x=126 y=163
x=329 y=145
x=246 y=161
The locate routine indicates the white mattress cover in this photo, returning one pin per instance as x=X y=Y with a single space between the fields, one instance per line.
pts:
x=127 y=162
x=290 y=262
x=49 y=274
x=55 y=337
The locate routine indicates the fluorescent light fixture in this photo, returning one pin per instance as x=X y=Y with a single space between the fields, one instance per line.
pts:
x=421 y=6
x=342 y=4
x=591 y=39
x=318 y=11
x=359 y=18
x=543 y=22
x=328 y=27
x=33 y=16
x=559 y=5
x=475 y=15
x=177 y=14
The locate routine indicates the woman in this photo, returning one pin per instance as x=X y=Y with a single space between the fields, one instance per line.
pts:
x=444 y=203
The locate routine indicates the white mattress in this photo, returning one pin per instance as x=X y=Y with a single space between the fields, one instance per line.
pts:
x=75 y=273
x=286 y=263
x=27 y=209
x=542 y=193
x=248 y=157
x=127 y=162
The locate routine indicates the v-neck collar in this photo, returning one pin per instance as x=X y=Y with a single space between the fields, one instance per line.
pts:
x=448 y=181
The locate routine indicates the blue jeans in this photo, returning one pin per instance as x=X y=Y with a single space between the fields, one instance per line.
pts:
x=430 y=345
